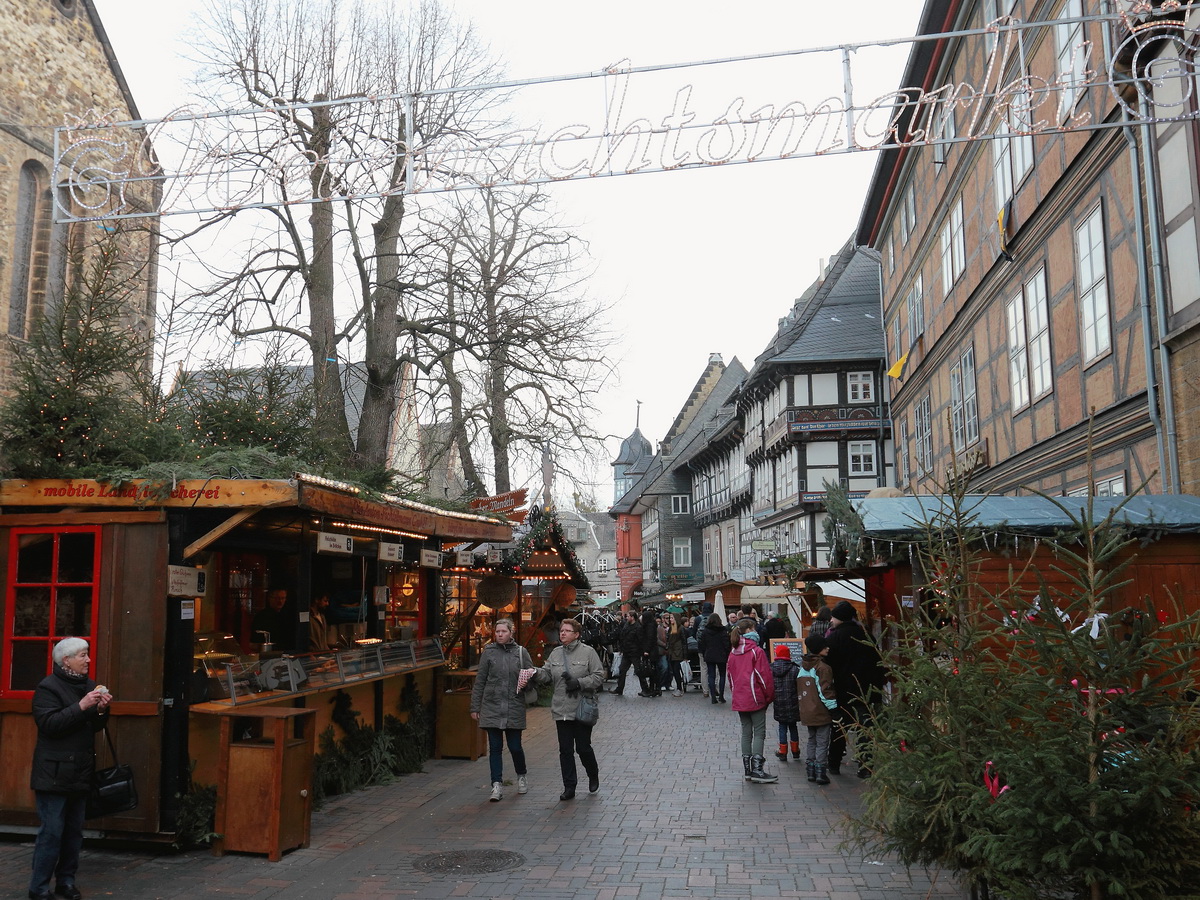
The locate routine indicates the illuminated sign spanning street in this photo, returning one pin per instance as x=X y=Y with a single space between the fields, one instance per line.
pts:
x=203 y=160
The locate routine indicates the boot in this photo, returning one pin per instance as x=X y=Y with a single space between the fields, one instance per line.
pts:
x=758 y=774
x=781 y=753
x=746 y=764
x=714 y=698
x=822 y=773
x=795 y=749
x=834 y=768
x=811 y=768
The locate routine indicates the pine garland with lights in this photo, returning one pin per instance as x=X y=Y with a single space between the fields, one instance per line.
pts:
x=545 y=533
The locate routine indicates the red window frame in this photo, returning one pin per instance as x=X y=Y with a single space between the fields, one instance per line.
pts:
x=53 y=586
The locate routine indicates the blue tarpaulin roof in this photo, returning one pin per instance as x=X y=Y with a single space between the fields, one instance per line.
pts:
x=906 y=517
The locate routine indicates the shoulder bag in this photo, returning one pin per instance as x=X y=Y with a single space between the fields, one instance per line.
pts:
x=112 y=790
x=588 y=711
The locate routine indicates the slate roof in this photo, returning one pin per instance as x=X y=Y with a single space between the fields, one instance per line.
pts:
x=839 y=317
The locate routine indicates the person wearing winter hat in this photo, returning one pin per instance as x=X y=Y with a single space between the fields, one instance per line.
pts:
x=843 y=611
x=785 y=709
x=858 y=679
x=816 y=701
x=753 y=688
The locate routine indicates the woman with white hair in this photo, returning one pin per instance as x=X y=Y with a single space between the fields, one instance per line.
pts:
x=69 y=708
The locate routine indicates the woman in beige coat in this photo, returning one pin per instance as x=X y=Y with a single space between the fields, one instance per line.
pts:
x=573 y=668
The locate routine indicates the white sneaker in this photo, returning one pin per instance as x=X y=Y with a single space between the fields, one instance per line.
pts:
x=497 y=791
x=676 y=694
x=522 y=785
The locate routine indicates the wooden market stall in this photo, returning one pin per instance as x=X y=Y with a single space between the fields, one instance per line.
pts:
x=201 y=600
x=1163 y=559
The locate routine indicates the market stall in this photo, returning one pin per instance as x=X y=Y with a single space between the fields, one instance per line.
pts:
x=206 y=599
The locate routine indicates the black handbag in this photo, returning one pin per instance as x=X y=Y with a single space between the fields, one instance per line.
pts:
x=112 y=790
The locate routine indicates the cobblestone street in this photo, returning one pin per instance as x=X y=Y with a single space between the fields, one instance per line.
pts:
x=673 y=818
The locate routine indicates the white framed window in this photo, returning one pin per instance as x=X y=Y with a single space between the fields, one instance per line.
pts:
x=993 y=10
x=902 y=451
x=681 y=553
x=891 y=254
x=1109 y=487
x=602 y=565
x=1071 y=52
x=964 y=405
x=915 y=307
x=908 y=212
x=944 y=131
x=1092 y=285
x=1012 y=156
x=861 y=457
x=680 y=504
x=898 y=335
x=860 y=387
x=1030 y=368
x=730 y=550
x=923 y=435
x=954 y=247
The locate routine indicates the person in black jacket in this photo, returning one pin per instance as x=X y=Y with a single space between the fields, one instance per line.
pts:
x=858 y=679
x=648 y=647
x=714 y=649
x=68 y=708
x=629 y=642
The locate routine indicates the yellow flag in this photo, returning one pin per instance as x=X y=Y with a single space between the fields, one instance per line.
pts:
x=897 y=368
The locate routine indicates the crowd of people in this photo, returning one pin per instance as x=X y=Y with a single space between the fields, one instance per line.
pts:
x=831 y=690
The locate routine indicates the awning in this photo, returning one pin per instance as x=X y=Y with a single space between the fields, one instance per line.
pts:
x=906 y=518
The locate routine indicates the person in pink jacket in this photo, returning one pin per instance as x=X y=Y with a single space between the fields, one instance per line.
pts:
x=753 y=689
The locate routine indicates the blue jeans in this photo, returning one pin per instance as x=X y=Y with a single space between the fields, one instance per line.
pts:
x=496 y=739
x=787 y=729
x=56 y=851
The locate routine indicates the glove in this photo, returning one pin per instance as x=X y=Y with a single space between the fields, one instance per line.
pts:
x=572 y=681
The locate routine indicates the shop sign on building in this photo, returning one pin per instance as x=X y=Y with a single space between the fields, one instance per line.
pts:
x=391 y=552
x=431 y=559
x=185 y=581
x=329 y=542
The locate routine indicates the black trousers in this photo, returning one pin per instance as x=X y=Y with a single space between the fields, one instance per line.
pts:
x=575 y=738
x=850 y=715
x=623 y=671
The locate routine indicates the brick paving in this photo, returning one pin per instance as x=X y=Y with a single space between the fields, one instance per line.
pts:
x=673 y=819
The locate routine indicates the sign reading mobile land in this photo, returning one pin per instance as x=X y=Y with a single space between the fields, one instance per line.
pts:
x=211 y=492
x=504 y=504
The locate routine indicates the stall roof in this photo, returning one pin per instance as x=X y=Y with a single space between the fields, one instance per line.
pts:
x=905 y=518
x=245 y=497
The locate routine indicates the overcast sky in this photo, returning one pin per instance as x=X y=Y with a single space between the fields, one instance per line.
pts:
x=695 y=262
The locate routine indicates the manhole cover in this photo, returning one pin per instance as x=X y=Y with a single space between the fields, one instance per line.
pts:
x=468 y=862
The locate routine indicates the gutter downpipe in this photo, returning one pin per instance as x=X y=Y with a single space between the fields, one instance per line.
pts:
x=1171 y=484
x=1150 y=164
x=1144 y=296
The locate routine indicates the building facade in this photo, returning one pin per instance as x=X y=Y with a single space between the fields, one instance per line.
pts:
x=1013 y=276
x=67 y=72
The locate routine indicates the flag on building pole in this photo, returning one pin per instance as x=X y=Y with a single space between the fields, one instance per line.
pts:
x=1003 y=220
x=897 y=368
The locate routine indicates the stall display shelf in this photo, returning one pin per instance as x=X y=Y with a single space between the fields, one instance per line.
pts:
x=253 y=680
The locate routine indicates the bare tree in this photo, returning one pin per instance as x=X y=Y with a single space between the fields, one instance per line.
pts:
x=337 y=91
x=528 y=352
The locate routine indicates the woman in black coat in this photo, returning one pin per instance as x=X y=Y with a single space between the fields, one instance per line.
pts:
x=713 y=642
x=68 y=709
